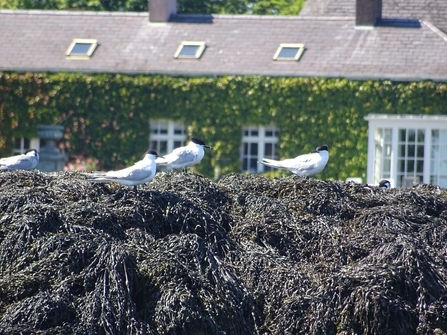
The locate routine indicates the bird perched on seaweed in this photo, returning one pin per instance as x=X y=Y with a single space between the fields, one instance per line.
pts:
x=26 y=161
x=141 y=172
x=305 y=165
x=183 y=157
x=385 y=184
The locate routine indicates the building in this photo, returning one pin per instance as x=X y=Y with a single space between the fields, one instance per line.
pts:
x=399 y=40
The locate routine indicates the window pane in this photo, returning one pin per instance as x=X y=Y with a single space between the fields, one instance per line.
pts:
x=419 y=166
x=411 y=135
x=438 y=161
x=80 y=49
x=442 y=181
x=253 y=148
x=245 y=149
x=420 y=152
x=434 y=136
x=401 y=166
x=410 y=166
x=421 y=136
x=189 y=51
x=401 y=151
x=386 y=166
x=411 y=151
x=254 y=133
x=163 y=148
x=387 y=135
x=153 y=145
x=268 y=150
x=288 y=52
x=253 y=164
x=402 y=134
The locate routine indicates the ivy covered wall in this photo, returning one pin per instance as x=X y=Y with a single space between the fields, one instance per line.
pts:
x=106 y=116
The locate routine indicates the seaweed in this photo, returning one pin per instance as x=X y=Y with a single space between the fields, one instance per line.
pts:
x=244 y=255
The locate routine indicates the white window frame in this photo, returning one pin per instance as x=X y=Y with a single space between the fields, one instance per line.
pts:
x=299 y=52
x=170 y=137
x=200 y=49
x=396 y=123
x=34 y=143
x=93 y=44
x=261 y=140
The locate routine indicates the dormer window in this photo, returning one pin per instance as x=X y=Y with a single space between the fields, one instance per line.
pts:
x=81 y=48
x=190 y=50
x=289 y=51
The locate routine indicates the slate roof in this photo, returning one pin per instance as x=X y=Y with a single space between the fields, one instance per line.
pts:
x=400 y=48
x=433 y=11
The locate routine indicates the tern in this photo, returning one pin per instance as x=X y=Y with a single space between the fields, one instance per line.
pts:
x=183 y=157
x=384 y=184
x=141 y=172
x=26 y=161
x=305 y=165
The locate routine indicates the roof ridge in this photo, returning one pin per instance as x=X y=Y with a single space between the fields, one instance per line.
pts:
x=176 y=16
x=70 y=12
x=262 y=17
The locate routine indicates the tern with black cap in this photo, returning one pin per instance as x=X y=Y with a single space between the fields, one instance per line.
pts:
x=305 y=165
x=183 y=157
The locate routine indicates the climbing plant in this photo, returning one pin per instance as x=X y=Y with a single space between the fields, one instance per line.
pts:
x=106 y=116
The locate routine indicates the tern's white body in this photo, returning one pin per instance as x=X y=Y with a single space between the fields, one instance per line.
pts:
x=141 y=172
x=183 y=157
x=26 y=161
x=304 y=165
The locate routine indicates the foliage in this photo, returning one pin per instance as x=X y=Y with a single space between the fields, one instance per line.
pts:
x=283 y=7
x=107 y=116
x=275 y=7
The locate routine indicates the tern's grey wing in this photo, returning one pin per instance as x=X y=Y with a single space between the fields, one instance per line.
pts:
x=18 y=162
x=181 y=156
x=10 y=159
x=133 y=173
x=306 y=163
x=186 y=157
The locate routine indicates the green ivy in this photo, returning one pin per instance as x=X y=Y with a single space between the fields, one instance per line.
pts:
x=107 y=116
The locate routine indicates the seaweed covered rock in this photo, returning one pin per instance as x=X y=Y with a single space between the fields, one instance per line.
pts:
x=246 y=255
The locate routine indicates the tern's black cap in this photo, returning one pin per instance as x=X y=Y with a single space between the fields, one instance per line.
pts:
x=199 y=142
x=152 y=152
x=322 y=148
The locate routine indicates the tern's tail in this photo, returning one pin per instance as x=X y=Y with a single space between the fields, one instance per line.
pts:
x=101 y=180
x=272 y=163
x=161 y=161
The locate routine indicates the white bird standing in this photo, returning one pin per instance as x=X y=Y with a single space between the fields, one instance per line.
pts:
x=26 y=161
x=183 y=157
x=304 y=165
x=141 y=172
